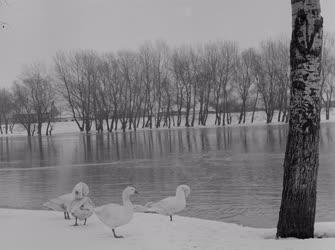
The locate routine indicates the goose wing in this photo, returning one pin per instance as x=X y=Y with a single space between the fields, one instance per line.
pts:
x=167 y=206
x=140 y=208
x=61 y=203
x=112 y=215
x=82 y=209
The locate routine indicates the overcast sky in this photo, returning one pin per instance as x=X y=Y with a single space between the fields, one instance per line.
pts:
x=39 y=28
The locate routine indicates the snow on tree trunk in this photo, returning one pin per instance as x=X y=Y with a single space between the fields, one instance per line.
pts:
x=297 y=211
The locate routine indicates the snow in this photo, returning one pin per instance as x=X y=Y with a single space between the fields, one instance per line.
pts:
x=26 y=229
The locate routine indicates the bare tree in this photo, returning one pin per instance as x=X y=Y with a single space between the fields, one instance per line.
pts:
x=283 y=76
x=328 y=72
x=41 y=91
x=185 y=60
x=108 y=91
x=50 y=117
x=128 y=66
x=197 y=76
x=69 y=75
x=23 y=107
x=77 y=75
x=268 y=84
x=244 y=78
x=222 y=65
x=168 y=93
x=6 y=110
x=297 y=211
x=154 y=84
x=146 y=58
x=206 y=82
x=179 y=64
x=259 y=78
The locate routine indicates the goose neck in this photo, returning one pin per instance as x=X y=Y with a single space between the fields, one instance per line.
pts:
x=126 y=200
x=180 y=194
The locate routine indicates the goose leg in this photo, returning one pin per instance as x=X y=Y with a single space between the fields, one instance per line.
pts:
x=65 y=217
x=76 y=224
x=116 y=236
x=170 y=217
x=85 y=221
x=68 y=216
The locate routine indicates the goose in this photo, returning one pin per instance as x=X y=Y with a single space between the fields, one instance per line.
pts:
x=170 y=205
x=115 y=215
x=61 y=204
x=81 y=206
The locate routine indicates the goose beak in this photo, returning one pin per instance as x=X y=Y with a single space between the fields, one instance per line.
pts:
x=136 y=192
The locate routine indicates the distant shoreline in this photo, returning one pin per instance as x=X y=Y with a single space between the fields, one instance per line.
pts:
x=70 y=127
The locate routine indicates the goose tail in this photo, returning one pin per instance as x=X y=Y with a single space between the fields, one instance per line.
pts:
x=54 y=206
x=151 y=208
x=150 y=212
x=144 y=209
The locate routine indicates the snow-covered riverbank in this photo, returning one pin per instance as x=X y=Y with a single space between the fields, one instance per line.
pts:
x=260 y=119
x=25 y=229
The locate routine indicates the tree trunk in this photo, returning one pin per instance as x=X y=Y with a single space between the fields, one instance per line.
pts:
x=328 y=105
x=201 y=108
x=188 y=107
x=242 y=112
x=107 y=122
x=327 y=111
x=180 y=105
x=240 y=116
x=47 y=129
x=116 y=123
x=194 y=104
x=11 y=126
x=87 y=125
x=124 y=126
x=279 y=115
x=297 y=211
x=28 y=131
x=254 y=108
x=39 y=128
x=269 y=117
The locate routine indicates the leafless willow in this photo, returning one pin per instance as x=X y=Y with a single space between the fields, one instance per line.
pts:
x=159 y=86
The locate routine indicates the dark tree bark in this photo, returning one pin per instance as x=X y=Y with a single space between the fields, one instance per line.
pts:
x=297 y=211
x=254 y=109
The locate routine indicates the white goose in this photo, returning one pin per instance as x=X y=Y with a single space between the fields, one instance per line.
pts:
x=115 y=215
x=61 y=204
x=81 y=206
x=170 y=205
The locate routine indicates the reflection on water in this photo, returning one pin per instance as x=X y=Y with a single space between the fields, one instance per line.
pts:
x=235 y=173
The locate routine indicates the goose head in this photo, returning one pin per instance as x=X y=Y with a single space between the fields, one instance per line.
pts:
x=129 y=191
x=184 y=189
x=80 y=190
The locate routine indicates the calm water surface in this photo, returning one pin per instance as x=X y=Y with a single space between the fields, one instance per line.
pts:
x=235 y=173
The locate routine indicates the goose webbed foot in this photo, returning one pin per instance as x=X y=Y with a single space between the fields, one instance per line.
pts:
x=170 y=217
x=116 y=236
x=76 y=224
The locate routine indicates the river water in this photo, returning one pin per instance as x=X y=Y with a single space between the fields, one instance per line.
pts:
x=235 y=174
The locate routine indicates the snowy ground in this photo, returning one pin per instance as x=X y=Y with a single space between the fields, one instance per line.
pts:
x=260 y=119
x=25 y=229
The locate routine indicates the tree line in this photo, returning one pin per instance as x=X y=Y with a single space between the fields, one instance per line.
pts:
x=159 y=86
